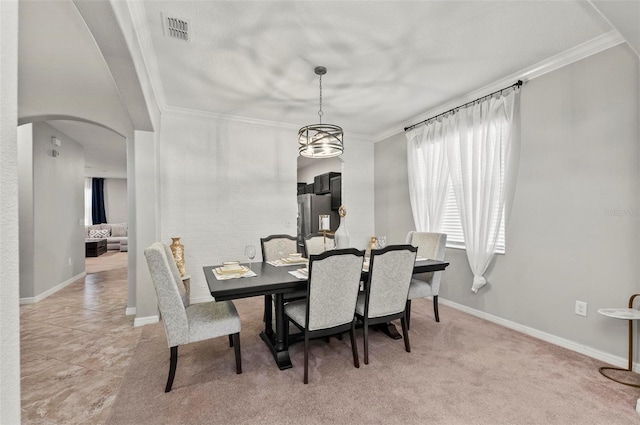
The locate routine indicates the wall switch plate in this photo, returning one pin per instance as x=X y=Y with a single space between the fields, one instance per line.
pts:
x=69 y=260
x=581 y=308
x=287 y=223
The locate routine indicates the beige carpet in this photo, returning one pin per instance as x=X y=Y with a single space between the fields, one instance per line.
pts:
x=462 y=370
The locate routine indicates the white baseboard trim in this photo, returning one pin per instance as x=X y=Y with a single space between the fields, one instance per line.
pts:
x=544 y=336
x=130 y=311
x=141 y=321
x=51 y=291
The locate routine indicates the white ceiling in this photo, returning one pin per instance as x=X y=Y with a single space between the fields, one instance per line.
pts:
x=388 y=62
x=105 y=153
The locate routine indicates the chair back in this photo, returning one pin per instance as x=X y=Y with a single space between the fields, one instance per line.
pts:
x=314 y=243
x=390 y=271
x=334 y=282
x=432 y=246
x=171 y=301
x=277 y=247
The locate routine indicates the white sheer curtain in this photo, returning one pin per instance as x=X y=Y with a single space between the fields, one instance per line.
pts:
x=480 y=152
x=428 y=174
x=88 y=219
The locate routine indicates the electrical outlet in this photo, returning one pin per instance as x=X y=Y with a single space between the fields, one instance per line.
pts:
x=581 y=308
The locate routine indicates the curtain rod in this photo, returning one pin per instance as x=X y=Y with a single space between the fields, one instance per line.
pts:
x=517 y=84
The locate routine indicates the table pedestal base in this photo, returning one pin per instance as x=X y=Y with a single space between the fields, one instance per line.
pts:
x=389 y=329
x=602 y=369
x=281 y=357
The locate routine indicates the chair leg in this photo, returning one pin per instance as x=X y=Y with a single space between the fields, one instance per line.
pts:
x=408 y=313
x=172 y=368
x=236 y=346
x=230 y=341
x=354 y=346
x=365 y=330
x=405 y=333
x=306 y=357
x=435 y=308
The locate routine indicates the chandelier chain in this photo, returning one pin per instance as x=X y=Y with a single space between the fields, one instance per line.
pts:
x=320 y=113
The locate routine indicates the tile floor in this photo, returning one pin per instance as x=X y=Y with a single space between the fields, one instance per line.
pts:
x=75 y=347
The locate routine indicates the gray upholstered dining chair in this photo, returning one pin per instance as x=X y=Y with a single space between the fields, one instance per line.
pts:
x=314 y=243
x=431 y=246
x=385 y=295
x=334 y=281
x=277 y=247
x=183 y=322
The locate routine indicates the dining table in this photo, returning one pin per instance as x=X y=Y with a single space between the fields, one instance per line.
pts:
x=271 y=280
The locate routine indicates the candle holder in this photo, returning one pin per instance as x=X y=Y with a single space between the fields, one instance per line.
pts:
x=325 y=226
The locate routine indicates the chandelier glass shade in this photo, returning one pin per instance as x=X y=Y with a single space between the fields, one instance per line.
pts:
x=320 y=140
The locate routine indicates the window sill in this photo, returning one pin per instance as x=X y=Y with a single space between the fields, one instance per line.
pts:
x=464 y=248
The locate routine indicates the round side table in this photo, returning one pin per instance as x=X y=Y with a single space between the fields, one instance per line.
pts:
x=629 y=314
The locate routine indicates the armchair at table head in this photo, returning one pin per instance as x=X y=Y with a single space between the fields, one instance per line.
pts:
x=277 y=247
x=431 y=246
x=385 y=295
x=185 y=323
x=314 y=243
x=334 y=281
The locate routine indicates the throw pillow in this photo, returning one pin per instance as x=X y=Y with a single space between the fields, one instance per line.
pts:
x=99 y=233
x=119 y=229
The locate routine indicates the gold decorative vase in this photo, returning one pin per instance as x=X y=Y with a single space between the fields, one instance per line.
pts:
x=177 y=249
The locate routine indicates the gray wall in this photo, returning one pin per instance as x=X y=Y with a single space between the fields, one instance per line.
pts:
x=115 y=194
x=573 y=230
x=25 y=209
x=57 y=216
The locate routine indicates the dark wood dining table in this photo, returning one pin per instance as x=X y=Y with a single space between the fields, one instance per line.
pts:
x=277 y=281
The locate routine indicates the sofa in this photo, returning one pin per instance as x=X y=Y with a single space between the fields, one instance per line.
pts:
x=116 y=235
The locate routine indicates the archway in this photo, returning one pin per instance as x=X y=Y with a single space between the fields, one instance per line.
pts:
x=105 y=155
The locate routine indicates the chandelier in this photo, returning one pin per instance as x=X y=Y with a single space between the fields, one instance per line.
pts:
x=320 y=140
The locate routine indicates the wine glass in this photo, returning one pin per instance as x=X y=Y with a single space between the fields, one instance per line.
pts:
x=382 y=241
x=250 y=253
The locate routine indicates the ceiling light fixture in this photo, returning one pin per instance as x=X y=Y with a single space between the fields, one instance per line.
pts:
x=320 y=140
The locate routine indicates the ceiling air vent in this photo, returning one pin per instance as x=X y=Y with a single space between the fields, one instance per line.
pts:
x=176 y=27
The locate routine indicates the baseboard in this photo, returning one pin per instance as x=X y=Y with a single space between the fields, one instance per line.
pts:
x=130 y=311
x=141 y=321
x=553 y=339
x=51 y=291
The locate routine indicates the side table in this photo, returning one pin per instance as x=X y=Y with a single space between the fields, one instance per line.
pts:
x=95 y=247
x=629 y=314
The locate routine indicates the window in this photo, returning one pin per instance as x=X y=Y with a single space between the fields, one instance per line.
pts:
x=88 y=219
x=452 y=226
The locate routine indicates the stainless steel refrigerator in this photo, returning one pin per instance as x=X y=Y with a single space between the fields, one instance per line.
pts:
x=310 y=207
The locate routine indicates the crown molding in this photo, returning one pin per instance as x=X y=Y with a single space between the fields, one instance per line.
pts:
x=213 y=116
x=141 y=25
x=579 y=52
